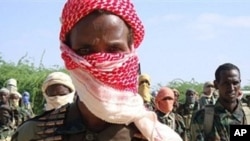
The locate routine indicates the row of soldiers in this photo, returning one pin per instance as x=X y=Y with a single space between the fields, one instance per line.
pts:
x=166 y=104
x=57 y=90
x=14 y=109
x=178 y=115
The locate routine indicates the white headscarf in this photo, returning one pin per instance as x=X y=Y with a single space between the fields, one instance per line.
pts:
x=53 y=102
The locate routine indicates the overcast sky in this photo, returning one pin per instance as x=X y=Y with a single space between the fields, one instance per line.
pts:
x=184 y=38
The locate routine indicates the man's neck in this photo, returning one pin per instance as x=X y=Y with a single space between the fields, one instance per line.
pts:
x=229 y=106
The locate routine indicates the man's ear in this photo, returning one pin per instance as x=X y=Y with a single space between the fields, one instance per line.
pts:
x=215 y=84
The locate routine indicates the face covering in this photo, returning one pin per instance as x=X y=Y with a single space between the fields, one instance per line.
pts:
x=144 y=91
x=190 y=99
x=26 y=100
x=14 y=103
x=53 y=102
x=107 y=84
x=164 y=100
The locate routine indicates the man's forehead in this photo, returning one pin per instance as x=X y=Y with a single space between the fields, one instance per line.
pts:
x=233 y=72
x=230 y=74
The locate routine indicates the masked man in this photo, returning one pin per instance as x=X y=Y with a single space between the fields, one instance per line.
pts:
x=207 y=96
x=58 y=90
x=98 y=42
x=164 y=103
x=145 y=92
x=20 y=114
x=187 y=109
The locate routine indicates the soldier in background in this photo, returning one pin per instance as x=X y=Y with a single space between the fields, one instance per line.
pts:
x=207 y=96
x=246 y=99
x=164 y=104
x=6 y=123
x=26 y=104
x=212 y=123
x=176 y=99
x=58 y=90
x=7 y=126
x=11 y=85
x=187 y=109
x=145 y=91
x=4 y=96
x=19 y=113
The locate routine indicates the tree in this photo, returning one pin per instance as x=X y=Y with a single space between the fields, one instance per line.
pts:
x=29 y=78
x=182 y=86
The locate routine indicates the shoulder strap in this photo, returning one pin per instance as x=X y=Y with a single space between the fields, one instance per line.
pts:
x=208 y=118
x=246 y=111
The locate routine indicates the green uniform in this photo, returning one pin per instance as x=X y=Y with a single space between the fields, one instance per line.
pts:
x=66 y=124
x=174 y=121
x=203 y=101
x=186 y=111
x=6 y=124
x=20 y=115
x=221 y=122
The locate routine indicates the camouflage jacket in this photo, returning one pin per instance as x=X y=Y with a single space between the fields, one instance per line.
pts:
x=7 y=126
x=205 y=100
x=66 y=124
x=20 y=115
x=186 y=111
x=221 y=123
x=174 y=121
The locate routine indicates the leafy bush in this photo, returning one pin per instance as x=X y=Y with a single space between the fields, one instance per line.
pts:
x=29 y=78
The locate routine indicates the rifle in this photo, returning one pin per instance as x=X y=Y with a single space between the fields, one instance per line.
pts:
x=139 y=70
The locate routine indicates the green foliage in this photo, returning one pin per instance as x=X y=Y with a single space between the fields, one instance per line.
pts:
x=246 y=87
x=29 y=78
x=182 y=86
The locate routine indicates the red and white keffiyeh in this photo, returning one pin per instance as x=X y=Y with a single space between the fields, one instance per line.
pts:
x=107 y=83
x=74 y=10
x=109 y=99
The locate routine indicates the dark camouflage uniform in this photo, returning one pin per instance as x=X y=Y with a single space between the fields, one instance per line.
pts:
x=186 y=111
x=222 y=120
x=20 y=115
x=10 y=119
x=6 y=125
x=174 y=121
x=206 y=100
x=66 y=124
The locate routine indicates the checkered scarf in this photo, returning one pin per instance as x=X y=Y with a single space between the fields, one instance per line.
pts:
x=118 y=71
x=113 y=99
x=74 y=10
x=107 y=83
